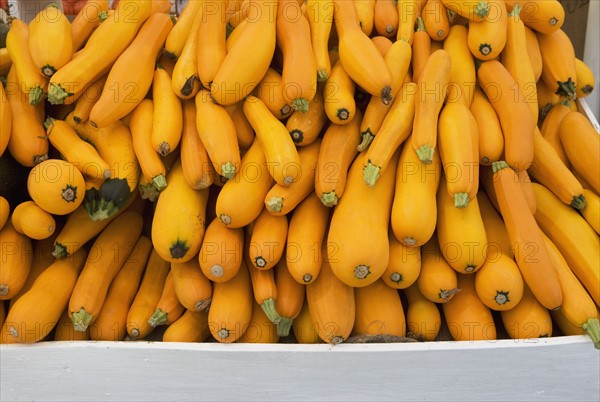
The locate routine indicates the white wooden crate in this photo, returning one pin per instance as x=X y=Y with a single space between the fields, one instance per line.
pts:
x=550 y=369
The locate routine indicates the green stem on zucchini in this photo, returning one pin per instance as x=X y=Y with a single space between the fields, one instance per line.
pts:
x=284 y=326
x=159 y=182
x=56 y=95
x=371 y=174
x=274 y=204
x=578 y=202
x=36 y=95
x=268 y=306
x=566 y=89
x=367 y=138
x=148 y=192
x=60 y=251
x=461 y=200
x=321 y=75
x=425 y=153
x=516 y=11
x=228 y=170
x=158 y=318
x=329 y=199
x=108 y=199
x=482 y=9
x=592 y=327
x=300 y=105
x=81 y=320
x=499 y=165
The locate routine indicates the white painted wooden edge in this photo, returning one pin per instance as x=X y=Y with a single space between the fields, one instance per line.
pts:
x=299 y=348
x=558 y=369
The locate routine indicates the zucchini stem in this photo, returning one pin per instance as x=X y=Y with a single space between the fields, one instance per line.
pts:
x=268 y=306
x=592 y=327
x=158 y=318
x=329 y=199
x=81 y=320
x=274 y=204
x=367 y=138
x=578 y=202
x=284 y=326
x=425 y=153
x=461 y=200
x=371 y=174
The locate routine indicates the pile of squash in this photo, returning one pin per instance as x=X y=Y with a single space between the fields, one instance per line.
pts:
x=328 y=168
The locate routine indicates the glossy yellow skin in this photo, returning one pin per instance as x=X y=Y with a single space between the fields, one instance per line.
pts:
x=17 y=257
x=131 y=75
x=280 y=200
x=177 y=237
x=528 y=319
x=306 y=232
x=76 y=151
x=491 y=139
x=147 y=296
x=515 y=58
x=573 y=236
x=17 y=45
x=378 y=311
x=192 y=287
x=221 y=255
x=50 y=40
x=185 y=81
x=499 y=283
x=192 y=326
x=585 y=79
x=487 y=39
x=468 y=319
x=280 y=152
x=545 y=16
x=437 y=281
x=332 y=306
x=232 y=83
x=360 y=251
x=581 y=143
x=56 y=186
x=231 y=307
x=27 y=143
x=251 y=184
x=182 y=30
x=414 y=210
x=267 y=242
x=140 y=125
x=114 y=144
x=304 y=327
x=31 y=220
x=217 y=133
x=359 y=55
x=270 y=91
x=113 y=246
x=167 y=122
x=422 y=316
x=404 y=266
x=578 y=306
x=320 y=17
x=34 y=315
x=111 y=323
x=260 y=328
x=591 y=212
x=86 y=22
